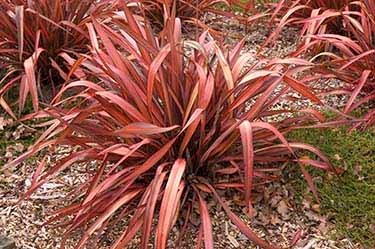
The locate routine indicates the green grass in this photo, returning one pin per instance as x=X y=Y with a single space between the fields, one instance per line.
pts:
x=350 y=199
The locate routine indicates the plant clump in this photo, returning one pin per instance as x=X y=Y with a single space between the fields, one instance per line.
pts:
x=167 y=123
x=167 y=130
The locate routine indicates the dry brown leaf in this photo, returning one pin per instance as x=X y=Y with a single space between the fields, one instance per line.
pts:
x=19 y=147
x=357 y=169
x=262 y=219
x=275 y=220
x=8 y=155
x=275 y=200
x=282 y=208
x=315 y=217
x=323 y=228
x=316 y=208
x=337 y=157
x=306 y=205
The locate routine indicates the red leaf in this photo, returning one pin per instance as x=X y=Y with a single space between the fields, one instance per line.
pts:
x=168 y=206
x=302 y=89
x=361 y=82
x=140 y=128
x=248 y=152
x=206 y=221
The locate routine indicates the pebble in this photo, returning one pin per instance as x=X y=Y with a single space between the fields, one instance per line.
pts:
x=7 y=243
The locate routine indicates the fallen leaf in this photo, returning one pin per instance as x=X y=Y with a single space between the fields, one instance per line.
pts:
x=337 y=157
x=316 y=208
x=238 y=200
x=306 y=205
x=19 y=147
x=256 y=198
x=330 y=176
x=282 y=208
x=275 y=220
x=18 y=132
x=194 y=219
x=261 y=219
x=323 y=228
x=8 y=154
x=275 y=200
x=357 y=169
x=266 y=195
x=315 y=217
x=7 y=135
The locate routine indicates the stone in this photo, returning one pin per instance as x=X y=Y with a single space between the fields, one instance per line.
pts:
x=7 y=243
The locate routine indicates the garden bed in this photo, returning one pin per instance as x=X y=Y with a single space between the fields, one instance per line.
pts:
x=284 y=210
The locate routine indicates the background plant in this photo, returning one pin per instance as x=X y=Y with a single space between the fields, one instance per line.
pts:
x=157 y=12
x=339 y=37
x=194 y=12
x=35 y=40
x=350 y=56
x=313 y=16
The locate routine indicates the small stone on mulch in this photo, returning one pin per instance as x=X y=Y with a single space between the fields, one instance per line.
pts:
x=7 y=243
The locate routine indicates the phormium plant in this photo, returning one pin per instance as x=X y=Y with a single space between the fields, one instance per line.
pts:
x=169 y=122
x=349 y=56
x=325 y=4
x=314 y=16
x=157 y=12
x=35 y=39
x=190 y=11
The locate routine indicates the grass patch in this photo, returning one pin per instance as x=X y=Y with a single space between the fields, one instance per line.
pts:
x=350 y=199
